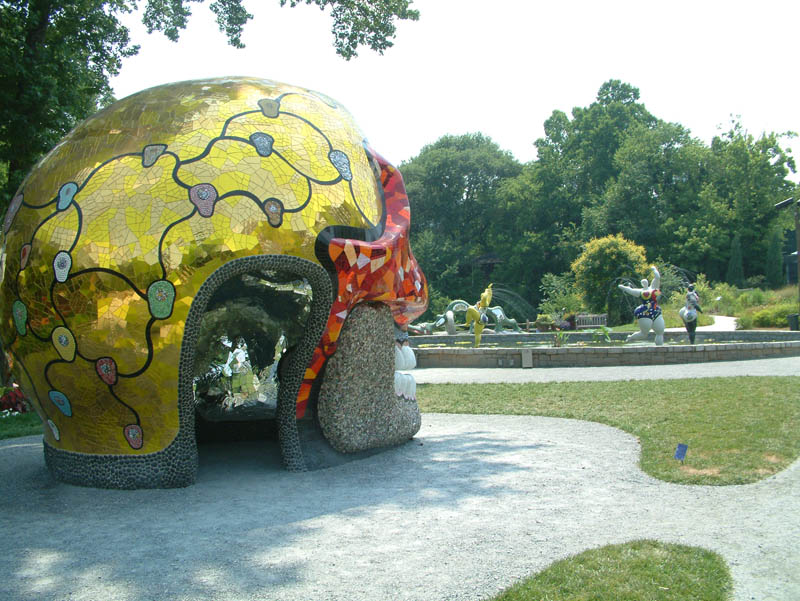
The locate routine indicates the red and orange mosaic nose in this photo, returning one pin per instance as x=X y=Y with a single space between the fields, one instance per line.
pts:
x=381 y=271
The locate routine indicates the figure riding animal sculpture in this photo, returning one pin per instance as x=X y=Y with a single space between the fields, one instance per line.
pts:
x=689 y=312
x=476 y=314
x=648 y=314
x=496 y=315
x=169 y=203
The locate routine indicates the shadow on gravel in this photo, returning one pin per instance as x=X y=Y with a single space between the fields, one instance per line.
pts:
x=230 y=535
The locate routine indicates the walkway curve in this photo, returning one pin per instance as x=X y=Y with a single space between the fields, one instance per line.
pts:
x=470 y=506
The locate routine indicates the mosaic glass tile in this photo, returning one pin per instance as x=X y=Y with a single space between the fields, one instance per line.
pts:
x=110 y=238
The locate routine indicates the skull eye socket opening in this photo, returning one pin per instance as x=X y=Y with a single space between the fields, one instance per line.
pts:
x=251 y=323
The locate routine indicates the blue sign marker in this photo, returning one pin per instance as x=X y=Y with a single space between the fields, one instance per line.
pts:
x=680 y=452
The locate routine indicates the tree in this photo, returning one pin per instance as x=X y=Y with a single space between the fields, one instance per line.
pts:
x=735 y=274
x=578 y=154
x=535 y=233
x=773 y=262
x=56 y=58
x=355 y=22
x=602 y=265
x=658 y=180
x=453 y=186
x=748 y=176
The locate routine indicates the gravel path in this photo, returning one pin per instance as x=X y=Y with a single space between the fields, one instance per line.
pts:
x=468 y=507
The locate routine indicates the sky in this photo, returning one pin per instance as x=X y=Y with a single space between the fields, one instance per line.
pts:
x=501 y=67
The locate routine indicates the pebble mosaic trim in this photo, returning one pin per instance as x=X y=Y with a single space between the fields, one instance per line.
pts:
x=357 y=407
x=176 y=465
x=293 y=372
x=112 y=235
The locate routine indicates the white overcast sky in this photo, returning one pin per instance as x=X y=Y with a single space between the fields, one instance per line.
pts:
x=500 y=67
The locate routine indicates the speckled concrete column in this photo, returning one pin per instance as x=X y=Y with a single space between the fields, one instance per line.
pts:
x=357 y=408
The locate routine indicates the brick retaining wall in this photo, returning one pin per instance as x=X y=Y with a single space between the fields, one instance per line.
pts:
x=602 y=356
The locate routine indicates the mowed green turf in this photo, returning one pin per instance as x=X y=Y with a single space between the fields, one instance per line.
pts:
x=637 y=571
x=738 y=430
x=23 y=424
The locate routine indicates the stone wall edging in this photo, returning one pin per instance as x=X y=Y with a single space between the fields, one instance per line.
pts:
x=601 y=356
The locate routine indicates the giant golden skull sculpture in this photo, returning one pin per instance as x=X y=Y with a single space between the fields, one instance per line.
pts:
x=167 y=204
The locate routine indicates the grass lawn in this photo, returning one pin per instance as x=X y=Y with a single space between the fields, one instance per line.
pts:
x=23 y=424
x=637 y=571
x=738 y=430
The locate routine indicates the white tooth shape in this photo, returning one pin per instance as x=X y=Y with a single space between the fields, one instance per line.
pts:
x=406 y=391
x=405 y=386
x=398 y=383
x=399 y=359
x=410 y=357
x=412 y=388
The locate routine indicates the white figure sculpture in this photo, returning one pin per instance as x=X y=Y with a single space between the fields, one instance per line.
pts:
x=404 y=360
x=648 y=314
x=689 y=312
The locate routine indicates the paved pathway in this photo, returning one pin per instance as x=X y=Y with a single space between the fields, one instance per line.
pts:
x=783 y=366
x=721 y=323
x=471 y=505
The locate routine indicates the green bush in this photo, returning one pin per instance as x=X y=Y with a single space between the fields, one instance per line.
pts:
x=753 y=298
x=560 y=296
x=773 y=316
x=722 y=299
x=602 y=263
x=744 y=322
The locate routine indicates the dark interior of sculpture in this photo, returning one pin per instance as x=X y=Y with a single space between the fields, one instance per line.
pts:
x=251 y=323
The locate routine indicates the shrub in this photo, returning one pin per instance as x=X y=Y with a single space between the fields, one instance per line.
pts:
x=744 y=322
x=559 y=294
x=773 y=316
x=756 y=281
x=603 y=263
x=722 y=299
x=753 y=298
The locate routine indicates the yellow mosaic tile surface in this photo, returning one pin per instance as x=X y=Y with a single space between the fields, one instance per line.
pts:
x=111 y=236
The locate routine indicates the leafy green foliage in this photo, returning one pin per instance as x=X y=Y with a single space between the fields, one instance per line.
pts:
x=20 y=424
x=601 y=334
x=454 y=184
x=360 y=23
x=773 y=261
x=56 y=58
x=611 y=168
x=55 y=62
x=602 y=262
x=773 y=316
x=560 y=296
x=735 y=274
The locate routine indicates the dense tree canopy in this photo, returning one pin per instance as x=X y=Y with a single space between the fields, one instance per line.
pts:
x=56 y=58
x=610 y=169
x=455 y=186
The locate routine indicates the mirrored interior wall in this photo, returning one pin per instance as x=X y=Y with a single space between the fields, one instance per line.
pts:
x=251 y=324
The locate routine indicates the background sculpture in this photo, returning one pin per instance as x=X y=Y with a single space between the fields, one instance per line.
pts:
x=648 y=314
x=473 y=314
x=689 y=312
x=174 y=213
